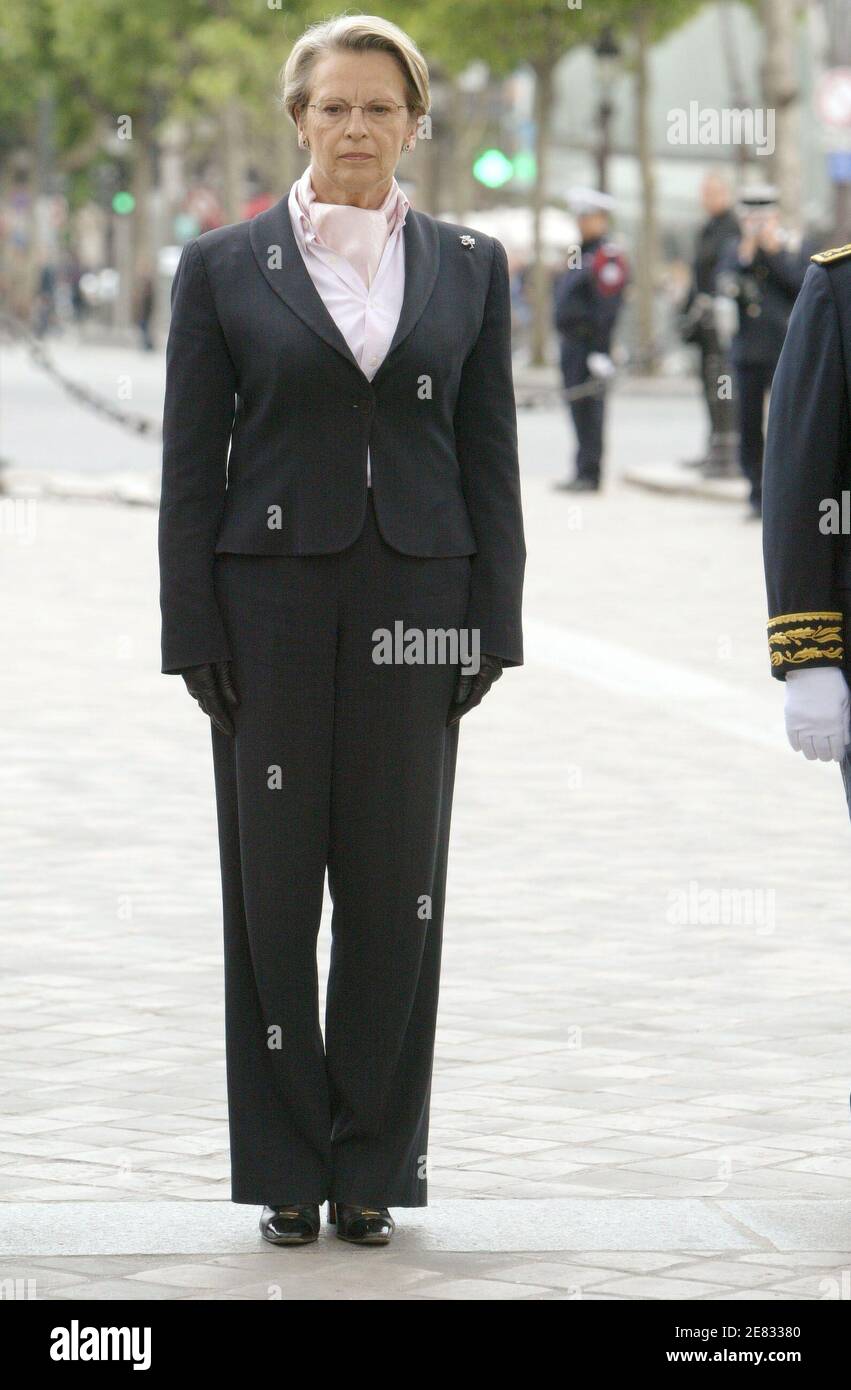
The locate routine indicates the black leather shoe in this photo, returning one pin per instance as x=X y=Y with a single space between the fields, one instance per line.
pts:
x=577 y=485
x=362 y=1225
x=721 y=468
x=296 y=1225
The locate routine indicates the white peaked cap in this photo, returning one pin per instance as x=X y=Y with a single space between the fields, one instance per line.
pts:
x=758 y=195
x=581 y=201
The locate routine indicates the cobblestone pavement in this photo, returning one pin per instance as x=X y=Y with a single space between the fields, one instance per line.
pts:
x=644 y=1055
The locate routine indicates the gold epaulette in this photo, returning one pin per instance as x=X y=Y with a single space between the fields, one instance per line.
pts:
x=838 y=253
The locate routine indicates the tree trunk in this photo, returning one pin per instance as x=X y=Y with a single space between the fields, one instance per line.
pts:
x=645 y=271
x=288 y=162
x=425 y=171
x=42 y=235
x=142 y=179
x=461 y=187
x=781 y=94
x=737 y=98
x=233 y=160
x=541 y=289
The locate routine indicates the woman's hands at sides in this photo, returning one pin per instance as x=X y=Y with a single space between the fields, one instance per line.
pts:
x=212 y=686
x=471 y=690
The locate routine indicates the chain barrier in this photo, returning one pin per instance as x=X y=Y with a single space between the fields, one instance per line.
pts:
x=551 y=392
x=13 y=330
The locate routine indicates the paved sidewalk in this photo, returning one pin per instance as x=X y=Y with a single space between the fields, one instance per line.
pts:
x=644 y=1054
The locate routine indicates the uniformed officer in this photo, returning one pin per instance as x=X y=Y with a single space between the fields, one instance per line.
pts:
x=807 y=513
x=588 y=296
x=763 y=270
x=700 y=326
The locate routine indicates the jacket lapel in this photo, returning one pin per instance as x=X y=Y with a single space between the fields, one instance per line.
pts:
x=422 y=264
x=280 y=262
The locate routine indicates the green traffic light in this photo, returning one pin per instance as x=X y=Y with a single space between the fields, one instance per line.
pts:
x=525 y=166
x=123 y=203
x=492 y=169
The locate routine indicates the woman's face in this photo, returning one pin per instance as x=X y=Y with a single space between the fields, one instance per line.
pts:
x=353 y=160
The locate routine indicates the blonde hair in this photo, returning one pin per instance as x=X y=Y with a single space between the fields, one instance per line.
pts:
x=355 y=34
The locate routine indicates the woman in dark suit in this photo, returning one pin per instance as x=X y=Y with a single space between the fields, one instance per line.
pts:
x=336 y=591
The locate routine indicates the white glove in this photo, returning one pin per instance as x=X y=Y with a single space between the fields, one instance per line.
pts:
x=601 y=365
x=817 y=712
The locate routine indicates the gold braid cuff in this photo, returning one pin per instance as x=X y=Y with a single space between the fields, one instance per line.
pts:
x=836 y=253
x=805 y=639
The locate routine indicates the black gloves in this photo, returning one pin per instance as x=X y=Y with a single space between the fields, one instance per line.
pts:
x=213 y=688
x=472 y=689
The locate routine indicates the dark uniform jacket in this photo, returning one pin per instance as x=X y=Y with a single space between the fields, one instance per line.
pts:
x=585 y=311
x=713 y=239
x=256 y=365
x=806 y=519
x=765 y=292
x=713 y=243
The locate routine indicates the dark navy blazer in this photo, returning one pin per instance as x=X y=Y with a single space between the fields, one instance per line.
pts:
x=268 y=418
x=807 y=477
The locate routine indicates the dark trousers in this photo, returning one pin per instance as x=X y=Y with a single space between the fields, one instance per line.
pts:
x=753 y=383
x=723 y=432
x=845 y=769
x=342 y=764
x=587 y=411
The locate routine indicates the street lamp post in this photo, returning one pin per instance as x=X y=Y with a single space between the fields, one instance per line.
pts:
x=607 y=52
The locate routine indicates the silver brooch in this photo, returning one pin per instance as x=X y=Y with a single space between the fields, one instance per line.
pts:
x=468 y=240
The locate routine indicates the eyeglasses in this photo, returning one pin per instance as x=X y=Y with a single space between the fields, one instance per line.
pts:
x=375 y=112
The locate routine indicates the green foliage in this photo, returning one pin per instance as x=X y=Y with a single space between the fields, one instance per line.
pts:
x=512 y=32
x=24 y=40
x=100 y=59
x=502 y=35
x=122 y=54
